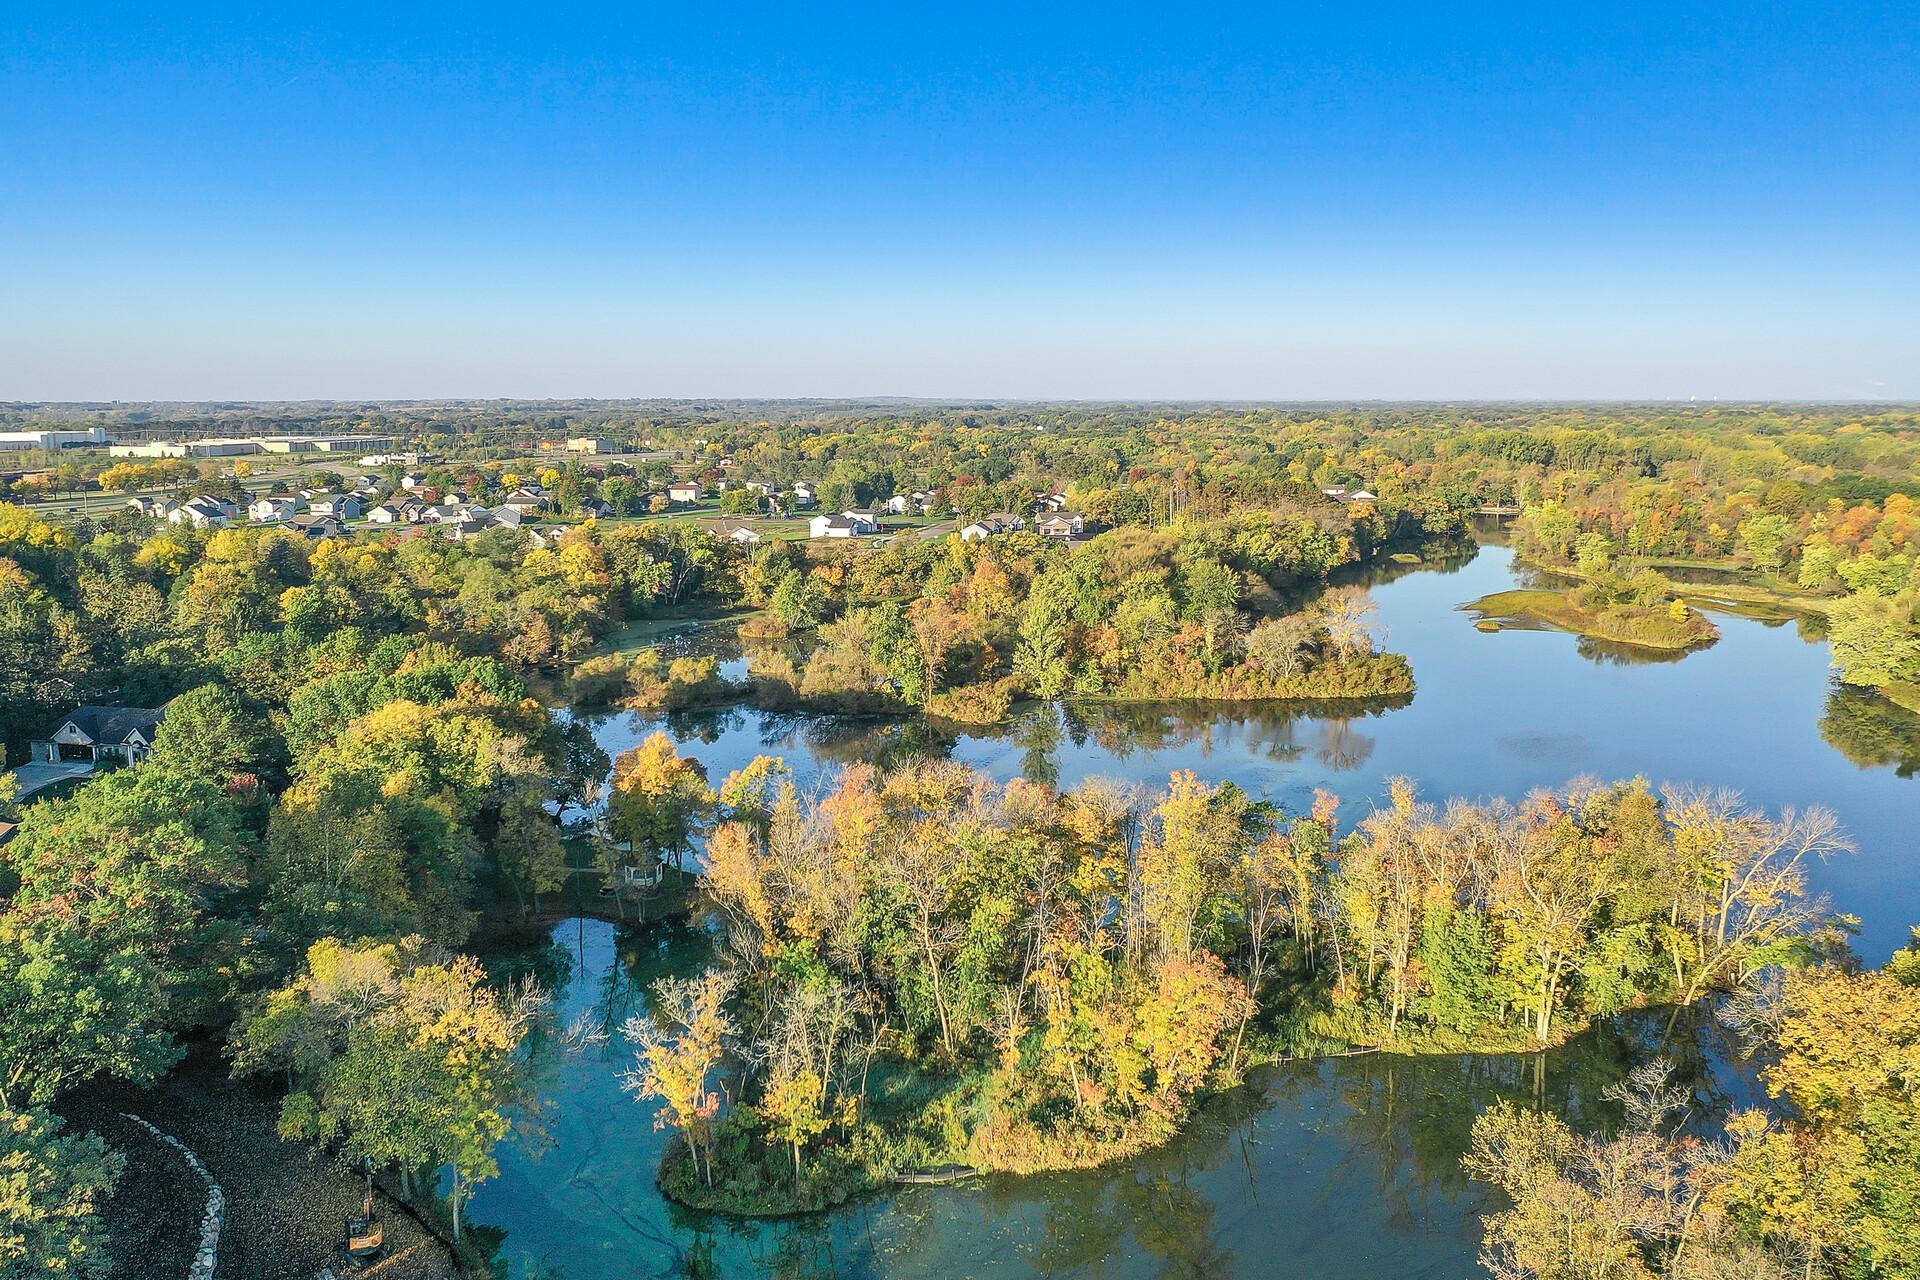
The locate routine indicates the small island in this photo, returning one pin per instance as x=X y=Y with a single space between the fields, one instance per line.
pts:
x=1663 y=622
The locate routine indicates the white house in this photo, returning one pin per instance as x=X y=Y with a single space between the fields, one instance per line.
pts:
x=96 y=733
x=1060 y=524
x=1055 y=501
x=159 y=508
x=445 y=513
x=273 y=508
x=805 y=495
x=864 y=521
x=683 y=491
x=988 y=526
x=204 y=513
x=898 y=505
x=526 y=502
x=345 y=507
x=739 y=533
x=922 y=500
x=413 y=480
x=835 y=527
x=405 y=511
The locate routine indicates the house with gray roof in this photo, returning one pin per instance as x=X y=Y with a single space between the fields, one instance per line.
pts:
x=98 y=733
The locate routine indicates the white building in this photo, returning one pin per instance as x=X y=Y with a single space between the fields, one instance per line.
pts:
x=204 y=513
x=835 y=527
x=83 y=438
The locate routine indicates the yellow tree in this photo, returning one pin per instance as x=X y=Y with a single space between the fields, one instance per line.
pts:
x=659 y=798
x=677 y=1050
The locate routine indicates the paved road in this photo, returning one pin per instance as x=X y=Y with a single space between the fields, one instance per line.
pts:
x=39 y=773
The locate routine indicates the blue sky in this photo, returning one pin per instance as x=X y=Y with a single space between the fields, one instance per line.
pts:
x=1281 y=202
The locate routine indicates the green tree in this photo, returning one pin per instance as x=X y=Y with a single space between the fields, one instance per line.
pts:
x=1872 y=640
x=215 y=733
x=52 y=1185
x=1765 y=538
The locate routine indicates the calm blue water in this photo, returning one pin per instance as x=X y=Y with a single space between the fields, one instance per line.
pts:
x=1341 y=1169
x=1495 y=714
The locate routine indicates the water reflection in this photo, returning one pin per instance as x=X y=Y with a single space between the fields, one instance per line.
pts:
x=1496 y=714
x=1872 y=731
x=1345 y=1167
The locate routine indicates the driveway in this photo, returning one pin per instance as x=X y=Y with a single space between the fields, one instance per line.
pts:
x=39 y=773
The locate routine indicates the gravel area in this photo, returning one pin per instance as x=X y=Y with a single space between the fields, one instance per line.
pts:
x=286 y=1208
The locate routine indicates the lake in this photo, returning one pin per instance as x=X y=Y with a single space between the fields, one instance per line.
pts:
x=1345 y=1167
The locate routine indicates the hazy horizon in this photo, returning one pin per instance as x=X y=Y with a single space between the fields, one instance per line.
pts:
x=1641 y=204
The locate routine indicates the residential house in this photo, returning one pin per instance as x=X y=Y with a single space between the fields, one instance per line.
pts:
x=273 y=508
x=595 y=509
x=319 y=525
x=549 y=536
x=346 y=506
x=96 y=734
x=509 y=517
x=159 y=508
x=476 y=521
x=683 y=491
x=413 y=480
x=1055 y=501
x=404 y=511
x=1340 y=493
x=922 y=500
x=992 y=525
x=204 y=513
x=836 y=527
x=739 y=532
x=898 y=505
x=1060 y=524
x=526 y=502
x=805 y=495
x=865 y=521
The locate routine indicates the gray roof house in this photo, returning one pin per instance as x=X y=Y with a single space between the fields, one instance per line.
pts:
x=92 y=734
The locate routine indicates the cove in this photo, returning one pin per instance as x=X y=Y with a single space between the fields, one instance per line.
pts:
x=1343 y=1167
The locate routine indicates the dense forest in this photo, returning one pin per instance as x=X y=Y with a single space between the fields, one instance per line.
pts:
x=360 y=778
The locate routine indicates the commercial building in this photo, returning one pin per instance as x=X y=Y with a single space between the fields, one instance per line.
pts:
x=82 y=438
x=230 y=446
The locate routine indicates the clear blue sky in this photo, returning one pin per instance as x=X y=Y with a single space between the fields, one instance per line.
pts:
x=1272 y=202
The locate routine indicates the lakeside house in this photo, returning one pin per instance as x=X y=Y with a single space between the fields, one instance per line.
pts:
x=98 y=734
